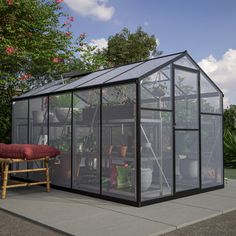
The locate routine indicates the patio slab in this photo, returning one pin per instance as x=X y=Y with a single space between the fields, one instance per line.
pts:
x=80 y=215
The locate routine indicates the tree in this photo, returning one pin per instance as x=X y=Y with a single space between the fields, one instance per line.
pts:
x=126 y=47
x=34 y=48
x=33 y=42
x=90 y=59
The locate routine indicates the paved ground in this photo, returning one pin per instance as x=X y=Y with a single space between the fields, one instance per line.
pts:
x=80 y=215
x=223 y=225
x=13 y=225
x=217 y=226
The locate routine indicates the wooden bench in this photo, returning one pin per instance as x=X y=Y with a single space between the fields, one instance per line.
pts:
x=8 y=156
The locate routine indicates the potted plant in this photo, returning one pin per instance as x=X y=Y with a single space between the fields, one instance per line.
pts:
x=123 y=147
x=160 y=90
x=62 y=106
x=123 y=150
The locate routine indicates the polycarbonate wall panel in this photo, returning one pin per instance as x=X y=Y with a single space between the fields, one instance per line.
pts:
x=212 y=150
x=20 y=130
x=186 y=62
x=144 y=68
x=187 y=160
x=60 y=137
x=119 y=141
x=116 y=71
x=38 y=130
x=86 y=140
x=210 y=96
x=156 y=90
x=156 y=154
x=186 y=99
x=83 y=80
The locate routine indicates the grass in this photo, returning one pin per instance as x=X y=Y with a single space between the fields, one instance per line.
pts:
x=230 y=173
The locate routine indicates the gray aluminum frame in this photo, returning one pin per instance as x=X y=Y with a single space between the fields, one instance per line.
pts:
x=136 y=81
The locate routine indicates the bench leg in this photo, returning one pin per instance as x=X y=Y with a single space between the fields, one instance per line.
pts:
x=5 y=180
x=1 y=169
x=47 y=174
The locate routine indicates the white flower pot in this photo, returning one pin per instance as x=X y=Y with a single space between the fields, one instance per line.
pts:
x=63 y=114
x=39 y=116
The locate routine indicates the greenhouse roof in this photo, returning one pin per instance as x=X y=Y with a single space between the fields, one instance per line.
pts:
x=129 y=72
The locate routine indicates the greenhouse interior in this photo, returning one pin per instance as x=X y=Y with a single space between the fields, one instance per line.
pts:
x=136 y=134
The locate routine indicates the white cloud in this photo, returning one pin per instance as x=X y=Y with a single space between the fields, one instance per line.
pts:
x=146 y=23
x=97 y=9
x=223 y=73
x=100 y=43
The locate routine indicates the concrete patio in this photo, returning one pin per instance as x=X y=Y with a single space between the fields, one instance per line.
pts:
x=80 y=215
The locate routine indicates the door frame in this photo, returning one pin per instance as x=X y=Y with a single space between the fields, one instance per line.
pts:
x=197 y=72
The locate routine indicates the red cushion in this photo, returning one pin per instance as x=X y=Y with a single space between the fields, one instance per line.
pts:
x=27 y=151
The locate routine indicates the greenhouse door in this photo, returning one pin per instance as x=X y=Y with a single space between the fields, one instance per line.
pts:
x=186 y=128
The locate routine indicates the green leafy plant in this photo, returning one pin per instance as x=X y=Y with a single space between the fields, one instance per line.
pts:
x=230 y=148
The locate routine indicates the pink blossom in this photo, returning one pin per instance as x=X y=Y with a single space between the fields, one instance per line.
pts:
x=10 y=2
x=66 y=23
x=82 y=36
x=25 y=77
x=9 y=50
x=58 y=1
x=68 y=34
x=56 y=60
x=71 y=18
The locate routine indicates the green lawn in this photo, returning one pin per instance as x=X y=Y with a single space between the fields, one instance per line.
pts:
x=230 y=173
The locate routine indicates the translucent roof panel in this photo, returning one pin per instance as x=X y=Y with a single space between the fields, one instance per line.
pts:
x=110 y=75
x=42 y=88
x=144 y=68
x=49 y=90
x=126 y=72
x=83 y=80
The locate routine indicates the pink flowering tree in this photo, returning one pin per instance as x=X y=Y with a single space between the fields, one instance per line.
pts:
x=34 y=47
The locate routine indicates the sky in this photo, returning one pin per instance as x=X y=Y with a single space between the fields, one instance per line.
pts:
x=206 y=28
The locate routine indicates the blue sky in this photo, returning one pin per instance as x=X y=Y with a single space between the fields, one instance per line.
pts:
x=207 y=29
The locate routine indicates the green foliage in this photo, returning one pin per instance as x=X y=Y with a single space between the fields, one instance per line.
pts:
x=63 y=100
x=230 y=136
x=230 y=148
x=90 y=58
x=126 y=47
x=230 y=118
x=5 y=114
x=38 y=43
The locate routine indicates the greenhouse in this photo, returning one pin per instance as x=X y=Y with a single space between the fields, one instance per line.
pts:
x=136 y=134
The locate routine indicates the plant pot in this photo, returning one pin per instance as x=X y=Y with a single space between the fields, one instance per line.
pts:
x=146 y=178
x=123 y=150
x=63 y=114
x=39 y=116
x=108 y=150
x=158 y=92
x=189 y=168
